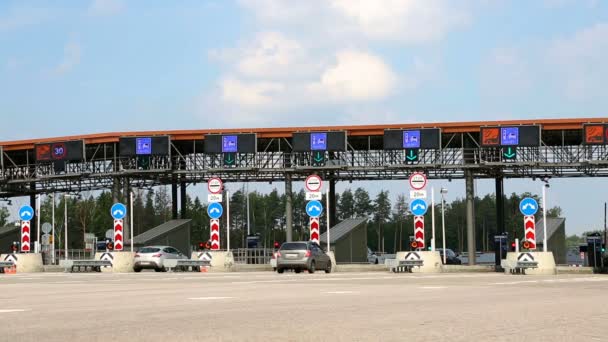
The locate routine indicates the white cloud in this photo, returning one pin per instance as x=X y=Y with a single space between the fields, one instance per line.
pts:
x=578 y=62
x=356 y=76
x=411 y=21
x=106 y=7
x=71 y=58
x=250 y=94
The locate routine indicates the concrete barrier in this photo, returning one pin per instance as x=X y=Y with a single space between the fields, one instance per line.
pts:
x=221 y=261
x=360 y=268
x=26 y=262
x=334 y=264
x=468 y=269
x=431 y=261
x=122 y=262
x=546 y=263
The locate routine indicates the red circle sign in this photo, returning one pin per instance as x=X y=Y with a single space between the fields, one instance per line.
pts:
x=313 y=183
x=418 y=181
x=214 y=185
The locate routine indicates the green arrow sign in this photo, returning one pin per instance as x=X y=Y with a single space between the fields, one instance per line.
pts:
x=319 y=157
x=229 y=159
x=509 y=152
x=411 y=155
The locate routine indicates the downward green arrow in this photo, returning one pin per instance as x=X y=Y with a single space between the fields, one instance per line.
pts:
x=411 y=156
x=229 y=159
x=319 y=157
x=509 y=153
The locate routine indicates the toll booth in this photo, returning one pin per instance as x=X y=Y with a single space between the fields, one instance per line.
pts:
x=594 y=251
x=501 y=247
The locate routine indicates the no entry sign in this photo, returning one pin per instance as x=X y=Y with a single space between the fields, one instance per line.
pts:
x=313 y=183
x=418 y=181
x=214 y=185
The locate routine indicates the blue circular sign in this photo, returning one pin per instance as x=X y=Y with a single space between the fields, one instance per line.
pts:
x=314 y=208
x=528 y=206
x=215 y=210
x=26 y=213
x=118 y=211
x=418 y=207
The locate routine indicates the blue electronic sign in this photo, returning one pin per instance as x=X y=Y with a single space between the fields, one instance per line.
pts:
x=143 y=146
x=318 y=141
x=509 y=136
x=411 y=139
x=229 y=143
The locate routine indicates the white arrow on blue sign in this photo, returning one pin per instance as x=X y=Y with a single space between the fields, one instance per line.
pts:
x=418 y=207
x=26 y=213
x=215 y=210
x=118 y=211
x=314 y=208
x=528 y=206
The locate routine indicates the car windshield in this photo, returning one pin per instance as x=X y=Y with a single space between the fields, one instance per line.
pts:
x=293 y=246
x=149 y=250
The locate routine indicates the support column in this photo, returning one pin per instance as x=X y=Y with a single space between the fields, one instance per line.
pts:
x=183 y=203
x=332 y=202
x=116 y=190
x=500 y=205
x=470 y=199
x=174 y=200
x=33 y=222
x=288 y=208
x=127 y=220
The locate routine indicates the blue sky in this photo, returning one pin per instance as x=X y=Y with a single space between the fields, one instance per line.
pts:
x=71 y=67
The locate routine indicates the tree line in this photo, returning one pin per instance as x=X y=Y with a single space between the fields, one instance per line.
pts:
x=389 y=224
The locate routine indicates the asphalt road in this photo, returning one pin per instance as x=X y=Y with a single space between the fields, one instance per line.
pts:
x=302 y=307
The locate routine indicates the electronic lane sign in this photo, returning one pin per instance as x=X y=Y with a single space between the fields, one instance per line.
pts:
x=595 y=134
x=60 y=151
x=424 y=138
x=230 y=143
x=516 y=136
x=143 y=146
x=319 y=141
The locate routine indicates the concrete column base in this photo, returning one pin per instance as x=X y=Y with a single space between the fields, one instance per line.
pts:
x=546 y=263
x=334 y=265
x=431 y=261
x=122 y=262
x=220 y=261
x=26 y=262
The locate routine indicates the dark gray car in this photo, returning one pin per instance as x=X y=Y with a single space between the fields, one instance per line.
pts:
x=303 y=255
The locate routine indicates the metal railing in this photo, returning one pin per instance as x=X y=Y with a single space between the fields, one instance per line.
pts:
x=252 y=256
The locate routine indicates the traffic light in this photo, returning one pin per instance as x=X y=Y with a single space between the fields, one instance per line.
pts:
x=276 y=245
x=201 y=246
x=109 y=245
x=525 y=244
x=414 y=244
x=15 y=247
x=603 y=248
x=512 y=246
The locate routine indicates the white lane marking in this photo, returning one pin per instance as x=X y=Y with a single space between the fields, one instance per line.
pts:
x=211 y=298
x=433 y=287
x=67 y=282
x=518 y=282
x=340 y=292
x=13 y=310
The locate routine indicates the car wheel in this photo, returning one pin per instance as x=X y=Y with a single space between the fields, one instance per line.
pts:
x=280 y=270
x=328 y=268
x=137 y=269
x=297 y=270
x=312 y=268
x=159 y=269
x=274 y=269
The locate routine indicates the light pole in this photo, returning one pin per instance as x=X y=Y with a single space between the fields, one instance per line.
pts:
x=545 y=186
x=443 y=192
x=65 y=223
x=53 y=230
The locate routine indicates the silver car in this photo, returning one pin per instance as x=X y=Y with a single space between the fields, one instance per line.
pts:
x=303 y=255
x=153 y=257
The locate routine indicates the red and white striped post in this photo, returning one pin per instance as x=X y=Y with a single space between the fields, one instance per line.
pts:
x=419 y=231
x=25 y=236
x=314 y=229
x=118 y=235
x=530 y=231
x=215 y=234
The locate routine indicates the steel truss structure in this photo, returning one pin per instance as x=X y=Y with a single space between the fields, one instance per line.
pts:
x=561 y=154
